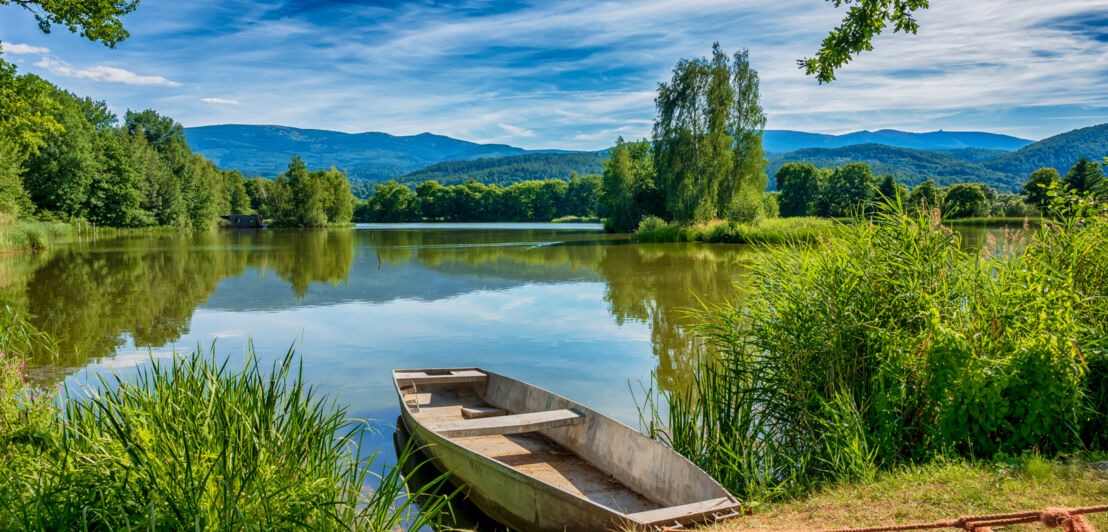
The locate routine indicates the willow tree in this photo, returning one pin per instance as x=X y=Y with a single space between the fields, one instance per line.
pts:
x=708 y=137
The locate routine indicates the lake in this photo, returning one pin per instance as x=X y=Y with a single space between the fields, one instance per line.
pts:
x=565 y=307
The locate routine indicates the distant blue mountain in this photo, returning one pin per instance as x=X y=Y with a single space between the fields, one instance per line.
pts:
x=784 y=140
x=265 y=150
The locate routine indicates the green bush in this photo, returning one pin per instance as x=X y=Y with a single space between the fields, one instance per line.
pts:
x=655 y=229
x=191 y=444
x=888 y=344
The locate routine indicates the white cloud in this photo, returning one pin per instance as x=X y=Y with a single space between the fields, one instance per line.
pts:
x=517 y=131
x=16 y=48
x=102 y=73
x=220 y=101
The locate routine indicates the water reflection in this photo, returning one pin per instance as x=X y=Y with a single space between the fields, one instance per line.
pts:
x=144 y=290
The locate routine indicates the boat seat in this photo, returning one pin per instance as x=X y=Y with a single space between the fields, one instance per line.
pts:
x=684 y=512
x=513 y=424
x=464 y=376
x=475 y=412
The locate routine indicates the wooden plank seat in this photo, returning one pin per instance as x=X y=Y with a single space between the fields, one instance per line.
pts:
x=513 y=424
x=444 y=377
x=693 y=511
x=476 y=412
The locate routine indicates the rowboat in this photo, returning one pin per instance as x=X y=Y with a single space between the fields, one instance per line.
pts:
x=534 y=460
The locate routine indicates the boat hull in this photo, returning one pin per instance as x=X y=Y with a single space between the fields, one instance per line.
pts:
x=506 y=495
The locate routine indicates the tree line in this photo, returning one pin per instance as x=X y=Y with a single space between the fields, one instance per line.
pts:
x=804 y=190
x=80 y=162
x=76 y=160
x=526 y=201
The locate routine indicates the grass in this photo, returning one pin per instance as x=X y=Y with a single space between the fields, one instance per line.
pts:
x=22 y=234
x=190 y=443
x=939 y=490
x=767 y=231
x=577 y=220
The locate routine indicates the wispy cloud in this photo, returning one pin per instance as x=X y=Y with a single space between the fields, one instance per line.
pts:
x=17 y=48
x=220 y=101
x=517 y=131
x=575 y=74
x=102 y=73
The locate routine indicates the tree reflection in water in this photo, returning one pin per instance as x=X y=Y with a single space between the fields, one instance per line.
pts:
x=145 y=289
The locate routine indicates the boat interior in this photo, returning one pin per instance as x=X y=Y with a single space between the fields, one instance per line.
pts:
x=546 y=437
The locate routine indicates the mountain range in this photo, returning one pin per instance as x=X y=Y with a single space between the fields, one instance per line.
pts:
x=948 y=157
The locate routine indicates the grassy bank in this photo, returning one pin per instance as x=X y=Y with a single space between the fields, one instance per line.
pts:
x=769 y=231
x=577 y=220
x=190 y=443
x=20 y=234
x=939 y=490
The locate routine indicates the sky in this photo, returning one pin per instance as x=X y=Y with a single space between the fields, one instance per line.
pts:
x=574 y=74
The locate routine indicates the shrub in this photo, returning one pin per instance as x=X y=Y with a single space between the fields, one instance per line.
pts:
x=889 y=344
x=655 y=229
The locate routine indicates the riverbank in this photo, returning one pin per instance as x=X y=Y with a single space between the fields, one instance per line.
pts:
x=940 y=490
x=19 y=234
x=770 y=231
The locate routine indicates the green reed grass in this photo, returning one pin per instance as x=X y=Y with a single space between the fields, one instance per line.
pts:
x=22 y=234
x=888 y=344
x=767 y=231
x=190 y=443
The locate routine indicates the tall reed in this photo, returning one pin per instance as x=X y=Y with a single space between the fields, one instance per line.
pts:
x=192 y=444
x=888 y=343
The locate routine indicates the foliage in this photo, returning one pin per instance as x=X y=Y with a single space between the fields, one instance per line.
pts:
x=766 y=231
x=505 y=171
x=924 y=197
x=910 y=166
x=707 y=141
x=191 y=443
x=629 y=188
x=136 y=174
x=297 y=198
x=28 y=234
x=25 y=107
x=1059 y=151
x=910 y=346
x=847 y=191
x=799 y=185
x=965 y=200
x=476 y=202
x=1038 y=184
x=865 y=20
x=1086 y=177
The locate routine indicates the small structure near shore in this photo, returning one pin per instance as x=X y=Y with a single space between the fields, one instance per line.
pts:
x=245 y=221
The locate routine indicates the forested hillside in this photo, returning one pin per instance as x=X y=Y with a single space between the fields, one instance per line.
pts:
x=783 y=140
x=1059 y=152
x=508 y=170
x=910 y=166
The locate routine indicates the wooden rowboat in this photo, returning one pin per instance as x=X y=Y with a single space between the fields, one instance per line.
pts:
x=537 y=461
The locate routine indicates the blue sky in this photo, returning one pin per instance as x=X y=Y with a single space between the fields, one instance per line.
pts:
x=574 y=74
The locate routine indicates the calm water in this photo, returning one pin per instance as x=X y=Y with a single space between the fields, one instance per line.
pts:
x=565 y=307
